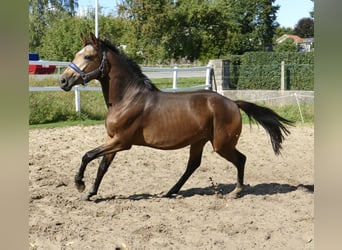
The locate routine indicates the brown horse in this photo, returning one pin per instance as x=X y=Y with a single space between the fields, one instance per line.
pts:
x=140 y=114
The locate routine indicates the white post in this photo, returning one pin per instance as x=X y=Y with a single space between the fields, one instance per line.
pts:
x=96 y=18
x=207 y=76
x=77 y=99
x=174 y=83
x=282 y=76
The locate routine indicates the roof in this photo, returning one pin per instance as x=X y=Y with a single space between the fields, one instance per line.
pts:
x=295 y=38
x=308 y=40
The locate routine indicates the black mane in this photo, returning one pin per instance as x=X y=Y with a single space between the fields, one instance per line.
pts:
x=142 y=78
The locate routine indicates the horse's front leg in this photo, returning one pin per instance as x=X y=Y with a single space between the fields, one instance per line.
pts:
x=103 y=167
x=89 y=156
x=107 y=150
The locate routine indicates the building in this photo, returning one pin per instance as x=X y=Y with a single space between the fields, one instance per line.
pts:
x=303 y=44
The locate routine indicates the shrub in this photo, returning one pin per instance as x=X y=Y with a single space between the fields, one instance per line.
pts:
x=262 y=70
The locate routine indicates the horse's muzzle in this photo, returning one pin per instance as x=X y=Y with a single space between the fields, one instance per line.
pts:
x=64 y=84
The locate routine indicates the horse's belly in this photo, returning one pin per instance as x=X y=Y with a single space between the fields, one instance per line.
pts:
x=172 y=137
x=178 y=121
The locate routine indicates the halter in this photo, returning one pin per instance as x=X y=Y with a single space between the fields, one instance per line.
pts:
x=86 y=76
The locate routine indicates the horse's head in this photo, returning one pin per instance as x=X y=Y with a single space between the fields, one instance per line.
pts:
x=88 y=64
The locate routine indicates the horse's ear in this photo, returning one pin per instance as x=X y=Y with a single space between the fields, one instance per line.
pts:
x=84 y=40
x=94 y=40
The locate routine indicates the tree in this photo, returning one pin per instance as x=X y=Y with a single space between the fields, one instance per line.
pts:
x=44 y=12
x=198 y=29
x=266 y=23
x=286 y=46
x=279 y=31
x=146 y=22
x=158 y=31
x=305 y=27
x=250 y=25
x=62 y=39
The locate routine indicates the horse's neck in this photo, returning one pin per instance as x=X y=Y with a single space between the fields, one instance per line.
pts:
x=113 y=89
x=105 y=91
x=115 y=85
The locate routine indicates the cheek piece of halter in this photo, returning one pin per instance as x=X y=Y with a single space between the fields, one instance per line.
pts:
x=86 y=76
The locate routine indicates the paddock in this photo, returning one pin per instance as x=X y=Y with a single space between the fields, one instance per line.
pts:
x=276 y=212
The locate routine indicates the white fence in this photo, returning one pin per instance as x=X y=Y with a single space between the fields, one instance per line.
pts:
x=151 y=72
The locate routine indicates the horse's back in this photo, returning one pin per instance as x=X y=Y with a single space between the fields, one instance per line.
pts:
x=203 y=103
x=174 y=120
x=221 y=107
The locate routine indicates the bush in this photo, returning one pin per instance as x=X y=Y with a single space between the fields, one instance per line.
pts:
x=287 y=46
x=262 y=70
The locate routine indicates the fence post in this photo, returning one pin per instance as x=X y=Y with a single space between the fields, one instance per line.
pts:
x=174 y=83
x=77 y=99
x=208 y=77
x=282 y=76
x=221 y=74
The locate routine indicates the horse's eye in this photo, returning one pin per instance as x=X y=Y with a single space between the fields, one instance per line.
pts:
x=87 y=57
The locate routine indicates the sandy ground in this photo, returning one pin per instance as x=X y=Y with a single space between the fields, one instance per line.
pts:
x=277 y=211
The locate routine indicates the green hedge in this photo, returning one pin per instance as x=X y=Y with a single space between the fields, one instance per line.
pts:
x=261 y=70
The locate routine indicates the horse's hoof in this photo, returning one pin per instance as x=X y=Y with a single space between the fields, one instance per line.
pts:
x=235 y=193
x=86 y=197
x=170 y=195
x=80 y=186
x=167 y=195
x=160 y=195
x=238 y=192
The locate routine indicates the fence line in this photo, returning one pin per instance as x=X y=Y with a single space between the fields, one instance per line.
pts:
x=159 y=73
x=194 y=71
x=201 y=71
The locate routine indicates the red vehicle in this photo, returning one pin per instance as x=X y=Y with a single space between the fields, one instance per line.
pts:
x=39 y=69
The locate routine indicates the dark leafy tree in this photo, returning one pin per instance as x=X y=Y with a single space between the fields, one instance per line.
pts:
x=251 y=25
x=305 y=27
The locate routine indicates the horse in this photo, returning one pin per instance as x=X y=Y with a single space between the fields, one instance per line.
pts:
x=138 y=113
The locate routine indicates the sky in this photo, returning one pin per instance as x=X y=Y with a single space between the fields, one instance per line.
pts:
x=290 y=12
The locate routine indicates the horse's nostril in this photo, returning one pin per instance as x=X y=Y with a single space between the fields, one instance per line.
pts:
x=62 y=81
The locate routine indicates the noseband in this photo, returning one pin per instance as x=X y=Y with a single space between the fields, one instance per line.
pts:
x=86 y=76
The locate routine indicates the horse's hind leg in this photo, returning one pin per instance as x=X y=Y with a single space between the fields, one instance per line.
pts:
x=194 y=162
x=103 y=167
x=239 y=160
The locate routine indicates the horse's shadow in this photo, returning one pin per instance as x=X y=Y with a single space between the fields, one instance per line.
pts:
x=220 y=189
x=259 y=189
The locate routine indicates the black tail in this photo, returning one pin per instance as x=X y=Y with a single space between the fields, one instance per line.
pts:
x=269 y=120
